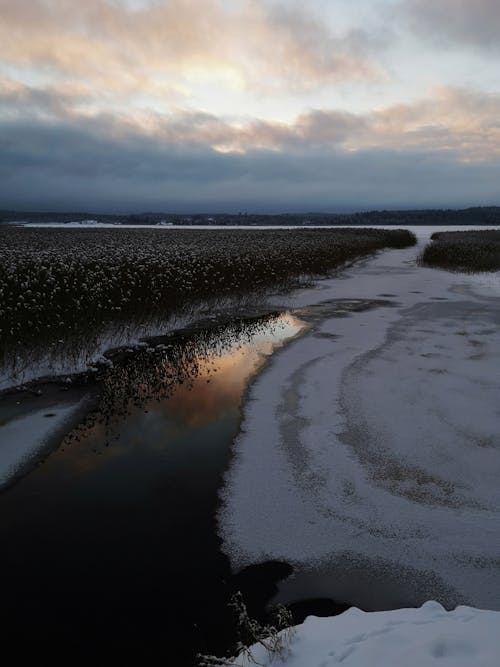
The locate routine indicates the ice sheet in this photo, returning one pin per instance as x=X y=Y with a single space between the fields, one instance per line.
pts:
x=373 y=442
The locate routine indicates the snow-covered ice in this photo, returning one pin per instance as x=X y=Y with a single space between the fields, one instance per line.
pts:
x=425 y=637
x=23 y=438
x=369 y=455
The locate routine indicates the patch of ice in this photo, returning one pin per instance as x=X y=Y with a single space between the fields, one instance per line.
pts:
x=22 y=439
x=487 y=284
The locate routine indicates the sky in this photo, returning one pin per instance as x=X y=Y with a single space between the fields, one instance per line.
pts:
x=249 y=105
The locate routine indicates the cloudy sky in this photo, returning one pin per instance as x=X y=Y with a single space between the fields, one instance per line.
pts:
x=258 y=105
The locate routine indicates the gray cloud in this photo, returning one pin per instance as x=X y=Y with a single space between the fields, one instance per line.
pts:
x=450 y=119
x=473 y=22
x=91 y=168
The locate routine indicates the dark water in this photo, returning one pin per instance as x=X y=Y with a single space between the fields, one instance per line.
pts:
x=109 y=551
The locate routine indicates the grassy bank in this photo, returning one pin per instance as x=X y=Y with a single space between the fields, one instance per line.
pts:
x=55 y=283
x=469 y=251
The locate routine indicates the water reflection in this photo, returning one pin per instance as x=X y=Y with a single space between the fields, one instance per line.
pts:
x=75 y=351
x=186 y=381
x=112 y=546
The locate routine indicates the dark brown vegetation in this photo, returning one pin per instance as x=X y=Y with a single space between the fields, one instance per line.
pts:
x=469 y=251
x=55 y=283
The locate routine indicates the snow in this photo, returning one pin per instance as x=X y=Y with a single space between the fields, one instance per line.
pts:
x=22 y=439
x=486 y=284
x=369 y=454
x=423 y=637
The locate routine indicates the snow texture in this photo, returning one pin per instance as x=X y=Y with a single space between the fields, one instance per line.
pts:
x=369 y=455
x=425 y=637
x=22 y=439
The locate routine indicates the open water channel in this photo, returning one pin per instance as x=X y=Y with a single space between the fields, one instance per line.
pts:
x=109 y=543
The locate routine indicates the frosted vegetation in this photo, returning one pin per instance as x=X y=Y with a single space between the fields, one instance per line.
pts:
x=58 y=283
x=469 y=251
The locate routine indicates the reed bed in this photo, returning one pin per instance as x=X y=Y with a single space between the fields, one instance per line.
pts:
x=57 y=283
x=467 y=251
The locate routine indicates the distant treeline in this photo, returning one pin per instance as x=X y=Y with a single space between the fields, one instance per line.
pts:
x=480 y=215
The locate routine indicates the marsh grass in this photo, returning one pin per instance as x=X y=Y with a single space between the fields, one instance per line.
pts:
x=61 y=284
x=467 y=251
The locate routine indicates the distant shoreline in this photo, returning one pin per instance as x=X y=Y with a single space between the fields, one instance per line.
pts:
x=480 y=215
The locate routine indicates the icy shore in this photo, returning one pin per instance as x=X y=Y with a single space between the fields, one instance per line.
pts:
x=25 y=435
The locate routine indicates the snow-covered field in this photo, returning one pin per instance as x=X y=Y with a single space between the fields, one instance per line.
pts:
x=425 y=637
x=369 y=455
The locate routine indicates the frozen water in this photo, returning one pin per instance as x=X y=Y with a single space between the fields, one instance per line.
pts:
x=23 y=438
x=372 y=442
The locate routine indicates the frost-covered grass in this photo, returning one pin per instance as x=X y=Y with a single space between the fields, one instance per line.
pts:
x=469 y=251
x=55 y=283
